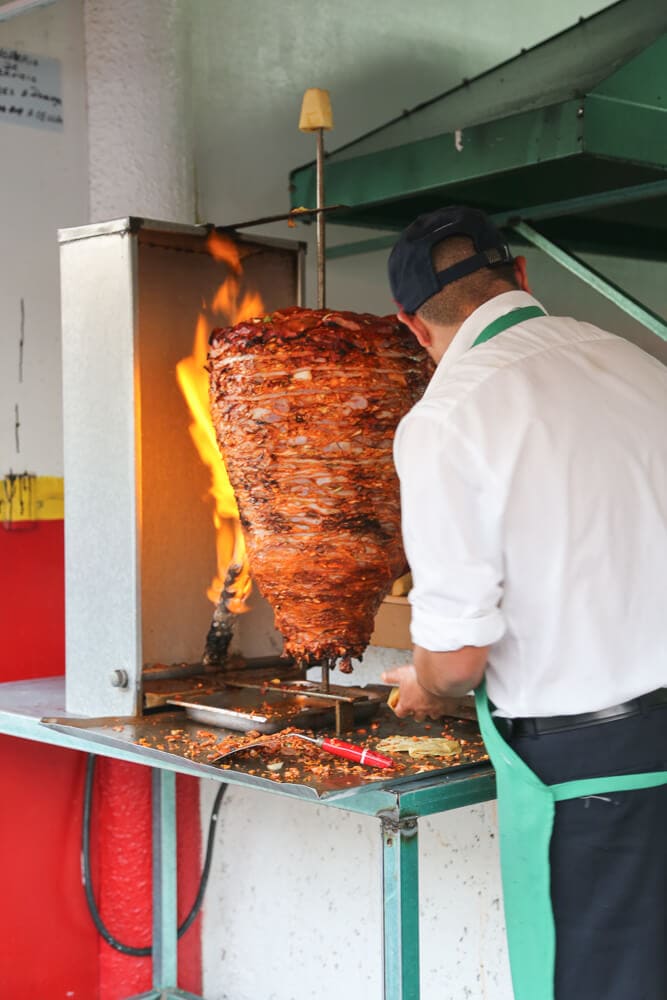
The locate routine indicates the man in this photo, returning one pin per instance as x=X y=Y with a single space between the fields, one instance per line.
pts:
x=534 y=493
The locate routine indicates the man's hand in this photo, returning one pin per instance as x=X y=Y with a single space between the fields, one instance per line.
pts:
x=414 y=700
x=427 y=687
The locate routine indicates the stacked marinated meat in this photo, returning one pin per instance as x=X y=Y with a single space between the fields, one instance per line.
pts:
x=305 y=404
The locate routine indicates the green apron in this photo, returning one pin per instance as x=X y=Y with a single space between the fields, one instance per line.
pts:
x=526 y=808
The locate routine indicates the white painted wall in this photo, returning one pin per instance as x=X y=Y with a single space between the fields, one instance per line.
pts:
x=302 y=904
x=126 y=149
x=43 y=185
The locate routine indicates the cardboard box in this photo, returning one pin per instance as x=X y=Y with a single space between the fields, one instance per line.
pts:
x=392 y=624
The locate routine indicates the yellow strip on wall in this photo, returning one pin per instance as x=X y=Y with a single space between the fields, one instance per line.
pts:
x=24 y=497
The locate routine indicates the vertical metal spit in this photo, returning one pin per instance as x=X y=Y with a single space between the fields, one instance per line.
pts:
x=316 y=116
x=320 y=237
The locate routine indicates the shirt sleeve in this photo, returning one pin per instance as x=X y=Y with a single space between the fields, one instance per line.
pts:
x=451 y=520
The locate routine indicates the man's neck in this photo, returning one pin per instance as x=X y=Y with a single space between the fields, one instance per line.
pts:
x=443 y=334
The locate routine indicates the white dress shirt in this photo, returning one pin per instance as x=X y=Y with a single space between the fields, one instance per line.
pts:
x=534 y=495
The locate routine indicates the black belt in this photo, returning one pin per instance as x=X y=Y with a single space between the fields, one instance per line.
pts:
x=563 y=723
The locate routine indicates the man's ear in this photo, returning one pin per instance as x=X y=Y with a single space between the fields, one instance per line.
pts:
x=417 y=326
x=521 y=274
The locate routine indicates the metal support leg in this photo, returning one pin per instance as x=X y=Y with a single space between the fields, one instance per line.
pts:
x=165 y=918
x=400 y=894
x=596 y=280
x=165 y=901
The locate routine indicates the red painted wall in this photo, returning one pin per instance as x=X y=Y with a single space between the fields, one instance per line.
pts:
x=48 y=945
x=49 y=948
x=32 y=600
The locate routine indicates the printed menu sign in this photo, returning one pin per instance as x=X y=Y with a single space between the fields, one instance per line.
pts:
x=30 y=91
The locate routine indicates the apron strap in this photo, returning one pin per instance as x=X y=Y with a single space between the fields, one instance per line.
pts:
x=519 y=315
x=499 y=749
x=615 y=783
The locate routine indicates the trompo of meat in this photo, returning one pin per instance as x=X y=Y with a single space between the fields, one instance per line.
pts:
x=305 y=404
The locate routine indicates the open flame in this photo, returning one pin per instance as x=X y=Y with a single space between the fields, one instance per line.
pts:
x=231 y=304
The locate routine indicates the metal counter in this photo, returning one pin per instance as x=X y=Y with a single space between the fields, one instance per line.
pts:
x=397 y=801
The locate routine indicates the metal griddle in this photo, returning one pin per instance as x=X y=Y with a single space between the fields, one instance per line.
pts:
x=172 y=735
x=228 y=703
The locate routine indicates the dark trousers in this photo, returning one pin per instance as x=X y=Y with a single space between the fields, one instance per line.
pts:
x=608 y=860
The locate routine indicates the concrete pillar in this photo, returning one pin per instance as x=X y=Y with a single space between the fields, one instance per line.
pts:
x=139 y=109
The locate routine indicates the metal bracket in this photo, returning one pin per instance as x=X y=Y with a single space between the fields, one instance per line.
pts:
x=393 y=825
x=344 y=717
x=166 y=995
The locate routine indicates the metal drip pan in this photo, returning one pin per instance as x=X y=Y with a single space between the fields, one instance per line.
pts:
x=246 y=709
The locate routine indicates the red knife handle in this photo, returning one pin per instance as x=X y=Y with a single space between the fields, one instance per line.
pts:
x=352 y=752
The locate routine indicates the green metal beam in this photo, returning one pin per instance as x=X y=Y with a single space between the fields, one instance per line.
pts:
x=361 y=246
x=618 y=129
x=546 y=134
x=595 y=279
x=459 y=790
x=400 y=878
x=534 y=213
x=584 y=203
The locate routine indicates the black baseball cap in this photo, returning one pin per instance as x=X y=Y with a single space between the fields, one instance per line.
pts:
x=412 y=276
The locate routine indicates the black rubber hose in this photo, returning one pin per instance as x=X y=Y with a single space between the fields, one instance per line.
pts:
x=128 y=949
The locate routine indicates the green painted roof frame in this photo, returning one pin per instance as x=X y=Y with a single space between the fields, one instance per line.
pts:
x=567 y=122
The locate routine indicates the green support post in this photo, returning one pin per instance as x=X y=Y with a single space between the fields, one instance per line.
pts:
x=400 y=874
x=629 y=305
x=165 y=919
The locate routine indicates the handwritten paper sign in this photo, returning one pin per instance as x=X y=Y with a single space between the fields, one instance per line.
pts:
x=30 y=91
